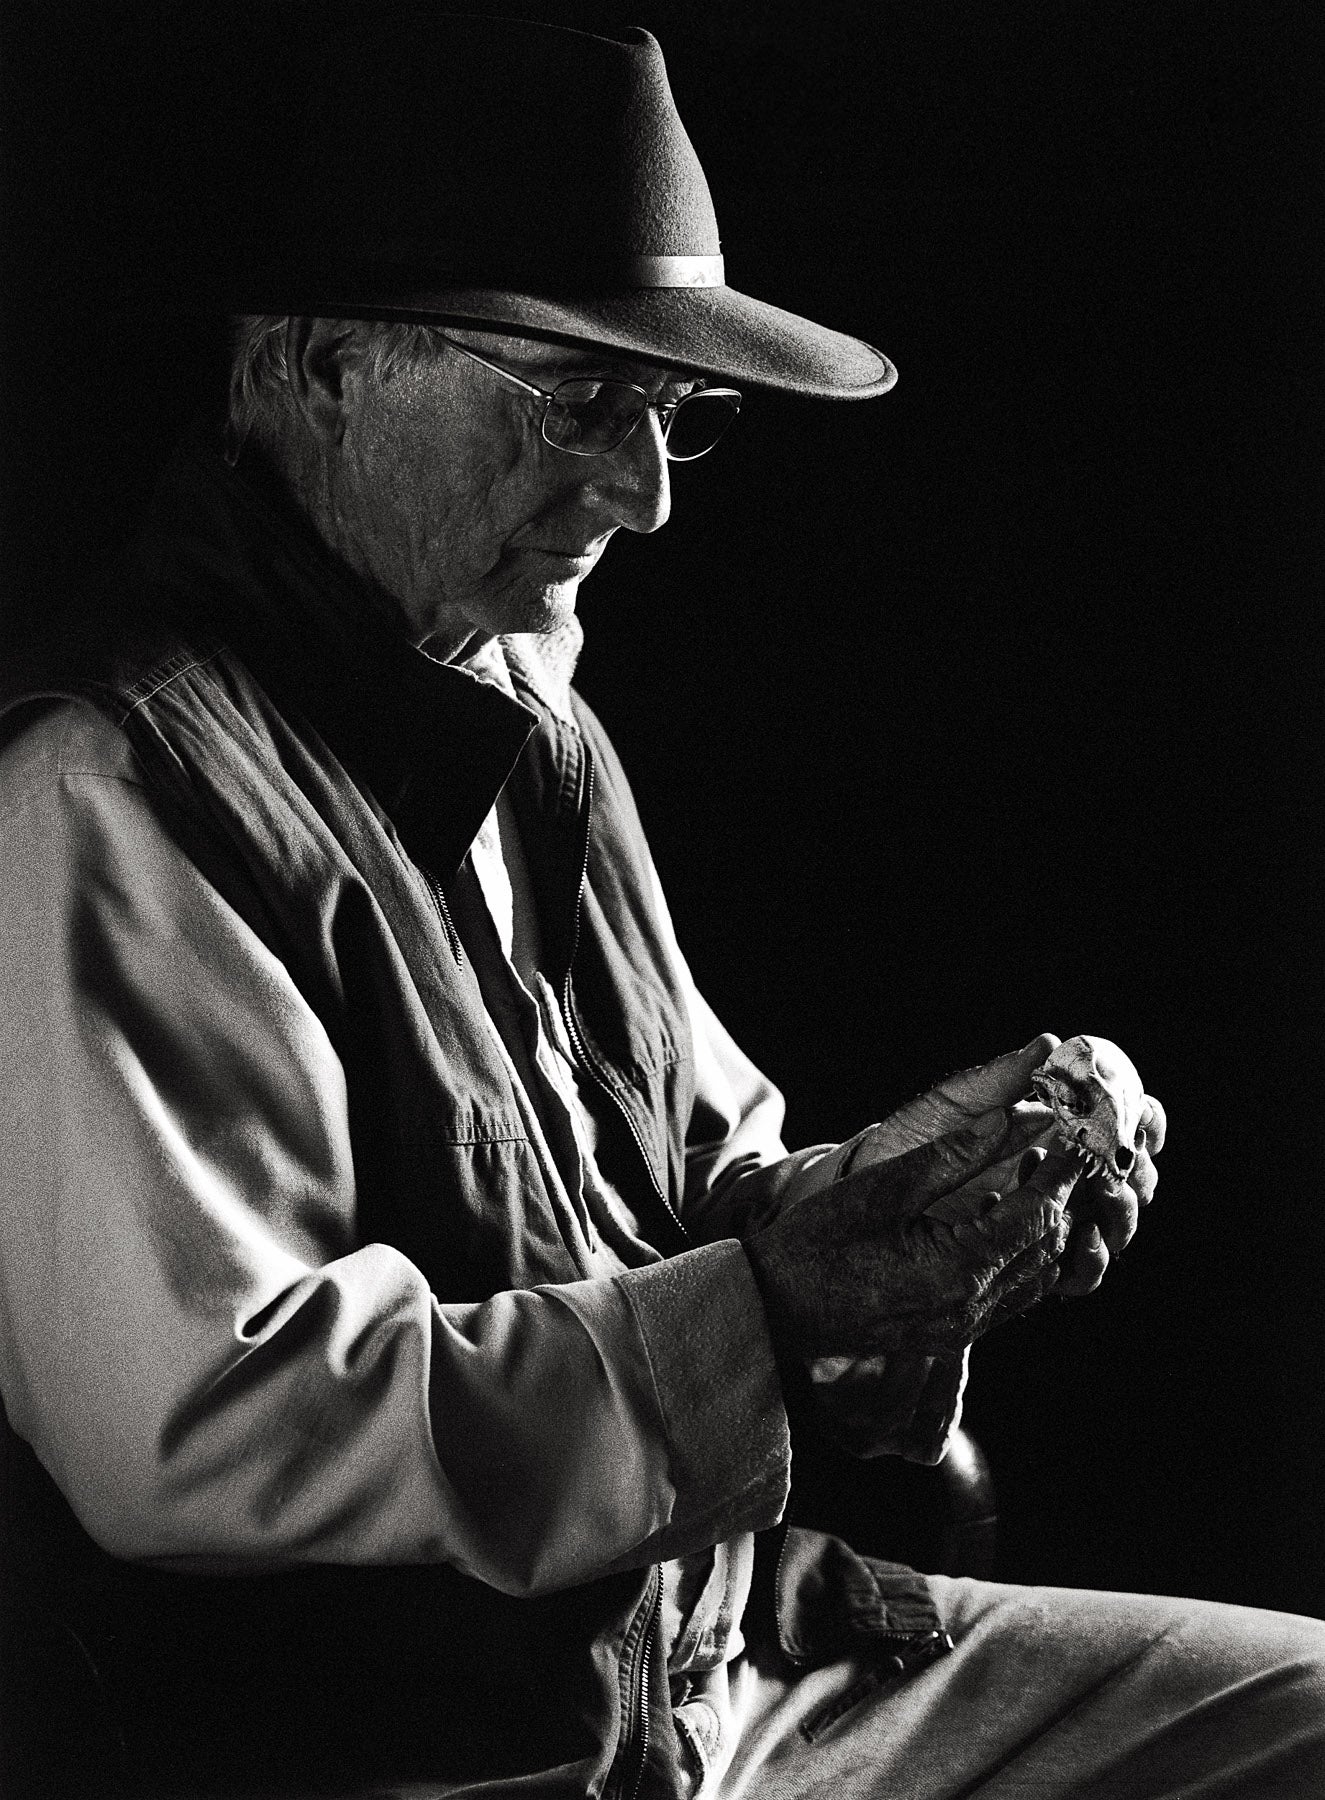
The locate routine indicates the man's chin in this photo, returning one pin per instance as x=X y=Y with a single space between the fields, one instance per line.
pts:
x=550 y=608
x=525 y=607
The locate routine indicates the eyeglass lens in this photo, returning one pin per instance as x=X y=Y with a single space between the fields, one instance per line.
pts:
x=698 y=422
x=592 y=416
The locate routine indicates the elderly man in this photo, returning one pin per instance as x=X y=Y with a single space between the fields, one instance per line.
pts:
x=406 y=1291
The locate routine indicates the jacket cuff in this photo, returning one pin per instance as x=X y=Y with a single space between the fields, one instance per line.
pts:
x=705 y=1331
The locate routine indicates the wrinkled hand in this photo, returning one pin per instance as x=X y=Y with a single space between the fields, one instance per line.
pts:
x=906 y=1404
x=1103 y=1215
x=905 y=1401
x=917 y=1251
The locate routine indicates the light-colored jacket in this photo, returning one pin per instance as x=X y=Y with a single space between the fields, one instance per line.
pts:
x=284 y=1281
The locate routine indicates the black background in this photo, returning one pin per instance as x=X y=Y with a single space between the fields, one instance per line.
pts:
x=982 y=709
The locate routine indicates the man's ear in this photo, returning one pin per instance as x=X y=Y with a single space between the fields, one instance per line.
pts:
x=318 y=354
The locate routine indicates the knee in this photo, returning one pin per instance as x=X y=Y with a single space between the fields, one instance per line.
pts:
x=1281 y=1640
x=1254 y=1652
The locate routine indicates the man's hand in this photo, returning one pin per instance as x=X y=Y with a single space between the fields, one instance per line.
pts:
x=916 y=1251
x=1103 y=1214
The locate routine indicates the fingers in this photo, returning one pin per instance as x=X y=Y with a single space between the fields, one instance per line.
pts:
x=1026 y=1126
x=1084 y=1262
x=1010 y=1170
x=911 y=1182
x=1156 y=1124
x=1143 y=1178
x=1053 y=1175
x=992 y=1086
x=1027 y=1277
x=1113 y=1207
x=1117 y=1218
x=1001 y=1082
x=1031 y=1213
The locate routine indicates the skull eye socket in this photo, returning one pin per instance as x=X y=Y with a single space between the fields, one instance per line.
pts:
x=1074 y=1100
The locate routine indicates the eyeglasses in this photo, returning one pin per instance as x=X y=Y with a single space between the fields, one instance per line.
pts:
x=592 y=414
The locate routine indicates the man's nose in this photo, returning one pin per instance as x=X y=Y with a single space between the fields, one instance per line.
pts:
x=633 y=481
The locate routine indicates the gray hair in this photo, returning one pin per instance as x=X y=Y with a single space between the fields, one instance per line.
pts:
x=259 y=405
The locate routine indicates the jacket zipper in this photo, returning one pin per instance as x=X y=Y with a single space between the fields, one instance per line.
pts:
x=777 y=1595
x=452 y=935
x=574 y=1032
x=643 y=1663
x=580 y=1044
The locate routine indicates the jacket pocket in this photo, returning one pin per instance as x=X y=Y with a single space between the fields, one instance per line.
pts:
x=815 y=1724
x=831 y=1602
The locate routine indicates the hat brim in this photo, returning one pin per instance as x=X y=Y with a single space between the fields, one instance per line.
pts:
x=715 y=331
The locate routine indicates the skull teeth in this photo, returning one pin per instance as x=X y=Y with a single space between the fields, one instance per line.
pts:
x=1091 y=1164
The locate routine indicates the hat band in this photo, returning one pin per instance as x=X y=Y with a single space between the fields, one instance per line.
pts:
x=676 y=272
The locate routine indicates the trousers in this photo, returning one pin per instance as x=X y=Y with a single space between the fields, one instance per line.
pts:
x=1048 y=1692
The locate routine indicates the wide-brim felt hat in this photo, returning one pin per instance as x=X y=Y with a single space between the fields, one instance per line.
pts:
x=519 y=177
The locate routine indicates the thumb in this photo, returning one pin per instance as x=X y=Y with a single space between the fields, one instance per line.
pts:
x=1001 y=1082
x=955 y=1100
x=1035 y=1209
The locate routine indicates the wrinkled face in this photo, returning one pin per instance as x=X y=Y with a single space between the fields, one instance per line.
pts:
x=445 y=496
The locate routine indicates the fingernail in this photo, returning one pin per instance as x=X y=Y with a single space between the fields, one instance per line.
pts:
x=1034 y=1040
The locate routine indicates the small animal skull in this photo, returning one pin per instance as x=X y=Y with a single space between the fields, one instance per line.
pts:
x=1100 y=1108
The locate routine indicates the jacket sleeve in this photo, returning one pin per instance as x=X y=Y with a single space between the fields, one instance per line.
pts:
x=215 y=1371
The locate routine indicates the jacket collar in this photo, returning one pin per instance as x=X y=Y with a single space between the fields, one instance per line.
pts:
x=432 y=742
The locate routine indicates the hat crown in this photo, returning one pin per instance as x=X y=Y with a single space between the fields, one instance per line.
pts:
x=503 y=175
x=495 y=150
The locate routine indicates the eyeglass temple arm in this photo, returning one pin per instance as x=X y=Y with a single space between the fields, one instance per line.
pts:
x=515 y=381
x=664 y=411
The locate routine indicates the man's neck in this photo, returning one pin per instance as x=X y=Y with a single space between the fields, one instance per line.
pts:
x=299 y=497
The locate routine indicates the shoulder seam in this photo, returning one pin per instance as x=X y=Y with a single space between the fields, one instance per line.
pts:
x=62 y=768
x=35 y=795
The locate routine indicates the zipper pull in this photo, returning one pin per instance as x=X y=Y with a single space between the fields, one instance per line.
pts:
x=914 y=1650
